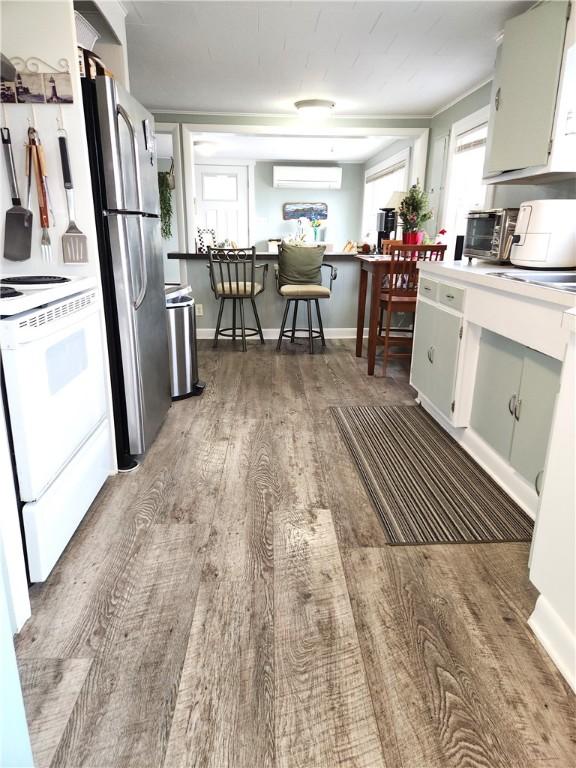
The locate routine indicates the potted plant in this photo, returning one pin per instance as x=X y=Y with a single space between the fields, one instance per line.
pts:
x=414 y=213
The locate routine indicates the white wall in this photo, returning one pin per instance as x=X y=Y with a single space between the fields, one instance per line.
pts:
x=344 y=206
x=46 y=30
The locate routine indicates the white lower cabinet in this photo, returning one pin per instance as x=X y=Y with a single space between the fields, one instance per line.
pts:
x=514 y=396
x=437 y=336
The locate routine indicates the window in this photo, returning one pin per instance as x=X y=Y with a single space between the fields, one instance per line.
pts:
x=381 y=183
x=465 y=189
x=219 y=187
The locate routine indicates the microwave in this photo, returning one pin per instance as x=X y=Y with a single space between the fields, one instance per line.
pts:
x=489 y=234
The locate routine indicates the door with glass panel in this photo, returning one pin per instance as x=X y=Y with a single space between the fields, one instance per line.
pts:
x=222 y=202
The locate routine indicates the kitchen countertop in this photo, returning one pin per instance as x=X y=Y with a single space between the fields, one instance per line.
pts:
x=260 y=255
x=482 y=274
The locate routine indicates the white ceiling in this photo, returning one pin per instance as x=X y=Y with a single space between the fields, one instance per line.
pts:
x=230 y=146
x=372 y=58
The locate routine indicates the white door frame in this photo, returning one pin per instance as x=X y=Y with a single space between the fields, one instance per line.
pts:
x=179 y=192
x=189 y=130
x=479 y=117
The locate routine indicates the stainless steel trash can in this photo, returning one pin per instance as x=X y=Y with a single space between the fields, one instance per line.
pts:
x=183 y=351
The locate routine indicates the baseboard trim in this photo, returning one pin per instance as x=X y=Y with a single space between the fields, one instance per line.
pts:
x=273 y=333
x=556 y=638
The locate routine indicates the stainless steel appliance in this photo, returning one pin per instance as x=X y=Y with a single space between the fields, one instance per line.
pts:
x=182 y=346
x=125 y=189
x=489 y=234
x=386 y=224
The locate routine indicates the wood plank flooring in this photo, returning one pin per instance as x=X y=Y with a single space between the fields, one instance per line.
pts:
x=234 y=603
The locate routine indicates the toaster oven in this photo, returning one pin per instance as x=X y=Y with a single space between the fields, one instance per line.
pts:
x=489 y=234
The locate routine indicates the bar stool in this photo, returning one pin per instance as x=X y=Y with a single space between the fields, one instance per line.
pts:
x=299 y=278
x=233 y=276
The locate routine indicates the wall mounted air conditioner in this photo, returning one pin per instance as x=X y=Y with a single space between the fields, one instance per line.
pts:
x=306 y=177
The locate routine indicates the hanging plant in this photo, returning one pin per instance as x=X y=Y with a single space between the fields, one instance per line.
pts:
x=165 y=204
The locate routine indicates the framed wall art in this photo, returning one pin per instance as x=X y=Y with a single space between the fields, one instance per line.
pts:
x=312 y=211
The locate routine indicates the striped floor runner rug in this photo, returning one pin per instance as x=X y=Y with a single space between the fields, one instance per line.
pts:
x=425 y=488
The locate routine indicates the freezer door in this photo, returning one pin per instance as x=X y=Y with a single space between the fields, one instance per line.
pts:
x=128 y=150
x=140 y=304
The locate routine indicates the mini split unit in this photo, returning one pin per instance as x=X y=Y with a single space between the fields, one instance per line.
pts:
x=306 y=177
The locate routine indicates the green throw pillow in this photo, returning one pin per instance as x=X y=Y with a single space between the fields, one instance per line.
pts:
x=300 y=265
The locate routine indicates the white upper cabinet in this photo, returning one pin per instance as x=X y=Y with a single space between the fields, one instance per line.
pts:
x=532 y=129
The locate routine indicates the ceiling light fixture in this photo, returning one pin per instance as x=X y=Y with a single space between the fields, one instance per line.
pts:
x=205 y=148
x=314 y=107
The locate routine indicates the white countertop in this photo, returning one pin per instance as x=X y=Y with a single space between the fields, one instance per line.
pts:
x=482 y=274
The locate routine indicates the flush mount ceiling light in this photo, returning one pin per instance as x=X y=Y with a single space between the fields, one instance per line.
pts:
x=205 y=147
x=314 y=107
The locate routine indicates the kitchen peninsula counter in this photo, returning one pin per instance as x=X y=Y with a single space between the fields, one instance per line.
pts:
x=260 y=255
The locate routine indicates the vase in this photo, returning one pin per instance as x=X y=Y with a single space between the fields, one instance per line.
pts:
x=413 y=238
x=316 y=233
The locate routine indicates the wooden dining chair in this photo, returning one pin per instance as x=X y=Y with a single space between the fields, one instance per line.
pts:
x=399 y=294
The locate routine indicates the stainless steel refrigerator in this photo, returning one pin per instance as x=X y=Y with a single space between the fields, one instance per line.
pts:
x=125 y=187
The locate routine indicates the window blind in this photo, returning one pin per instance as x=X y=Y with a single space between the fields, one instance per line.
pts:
x=386 y=172
x=472 y=139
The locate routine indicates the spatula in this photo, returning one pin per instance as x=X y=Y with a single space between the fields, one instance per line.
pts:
x=74 y=241
x=18 y=228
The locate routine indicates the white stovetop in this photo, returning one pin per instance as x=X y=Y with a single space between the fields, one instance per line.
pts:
x=37 y=296
x=482 y=273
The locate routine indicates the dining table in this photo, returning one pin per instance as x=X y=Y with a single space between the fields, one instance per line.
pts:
x=379 y=267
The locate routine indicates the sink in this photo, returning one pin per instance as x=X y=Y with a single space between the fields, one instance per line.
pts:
x=561 y=281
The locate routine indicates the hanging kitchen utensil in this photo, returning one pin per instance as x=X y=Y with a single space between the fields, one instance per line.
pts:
x=74 y=241
x=18 y=227
x=35 y=159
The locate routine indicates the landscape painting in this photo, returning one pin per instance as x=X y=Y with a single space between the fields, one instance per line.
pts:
x=292 y=211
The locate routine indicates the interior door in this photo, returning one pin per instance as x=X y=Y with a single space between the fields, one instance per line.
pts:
x=222 y=201
x=497 y=382
x=525 y=98
x=538 y=390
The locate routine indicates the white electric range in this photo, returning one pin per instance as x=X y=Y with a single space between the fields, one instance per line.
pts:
x=53 y=362
x=18 y=294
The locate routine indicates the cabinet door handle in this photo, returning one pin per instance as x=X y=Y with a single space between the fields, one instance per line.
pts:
x=450 y=296
x=512 y=405
x=497 y=99
x=517 y=408
x=537 y=484
x=431 y=354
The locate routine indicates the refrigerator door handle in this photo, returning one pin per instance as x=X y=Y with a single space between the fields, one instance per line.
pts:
x=131 y=365
x=143 y=266
x=134 y=147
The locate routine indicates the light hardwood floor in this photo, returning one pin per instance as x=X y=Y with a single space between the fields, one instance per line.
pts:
x=234 y=603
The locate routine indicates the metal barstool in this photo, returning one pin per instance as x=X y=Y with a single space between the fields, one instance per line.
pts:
x=299 y=278
x=233 y=276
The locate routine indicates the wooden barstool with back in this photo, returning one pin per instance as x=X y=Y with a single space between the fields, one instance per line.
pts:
x=399 y=295
x=234 y=275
